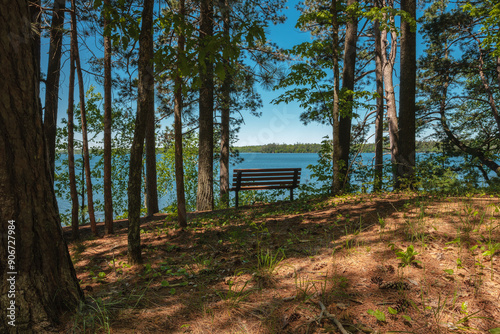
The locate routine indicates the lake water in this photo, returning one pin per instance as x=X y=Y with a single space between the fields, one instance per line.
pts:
x=250 y=160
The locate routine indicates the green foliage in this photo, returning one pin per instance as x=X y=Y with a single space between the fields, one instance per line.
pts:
x=379 y=315
x=281 y=148
x=392 y=311
x=406 y=317
x=323 y=170
x=166 y=173
x=448 y=271
x=493 y=248
x=421 y=146
x=436 y=175
x=488 y=12
x=458 y=86
x=122 y=128
x=268 y=261
x=233 y=297
x=406 y=257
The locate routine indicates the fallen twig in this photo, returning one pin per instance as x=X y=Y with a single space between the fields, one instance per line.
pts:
x=325 y=314
x=332 y=317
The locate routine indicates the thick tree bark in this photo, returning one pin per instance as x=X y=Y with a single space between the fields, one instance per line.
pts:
x=71 y=153
x=81 y=90
x=379 y=121
x=392 y=117
x=36 y=16
x=39 y=283
x=407 y=87
x=108 y=195
x=205 y=192
x=225 y=113
x=337 y=178
x=52 y=82
x=345 y=123
x=337 y=181
x=178 y=105
x=146 y=87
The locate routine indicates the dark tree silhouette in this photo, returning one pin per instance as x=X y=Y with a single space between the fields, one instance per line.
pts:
x=406 y=158
x=145 y=95
x=205 y=193
x=52 y=81
x=178 y=105
x=40 y=272
x=108 y=196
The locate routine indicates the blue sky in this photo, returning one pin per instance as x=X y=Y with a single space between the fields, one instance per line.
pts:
x=281 y=123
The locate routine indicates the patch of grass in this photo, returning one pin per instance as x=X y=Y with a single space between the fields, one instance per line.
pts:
x=233 y=297
x=93 y=316
x=267 y=264
x=305 y=288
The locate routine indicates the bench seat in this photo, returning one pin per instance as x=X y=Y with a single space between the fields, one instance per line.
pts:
x=265 y=178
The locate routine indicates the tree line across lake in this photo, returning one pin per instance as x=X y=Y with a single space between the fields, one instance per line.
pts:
x=421 y=146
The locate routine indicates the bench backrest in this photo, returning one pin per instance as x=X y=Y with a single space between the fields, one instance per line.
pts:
x=266 y=178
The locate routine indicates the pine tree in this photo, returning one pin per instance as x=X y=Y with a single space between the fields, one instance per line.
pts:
x=45 y=282
x=145 y=95
x=205 y=194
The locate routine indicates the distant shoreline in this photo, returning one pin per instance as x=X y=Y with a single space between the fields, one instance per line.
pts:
x=422 y=147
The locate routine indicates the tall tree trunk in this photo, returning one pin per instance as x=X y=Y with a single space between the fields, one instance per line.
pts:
x=36 y=19
x=71 y=153
x=337 y=178
x=379 y=121
x=108 y=195
x=39 y=283
x=146 y=87
x=178 y=105
x=345 y=123
x=408 y=63
x=225 y=112
x=151 y=179
x=52 y=82
x=392 y=117
x=85 y=142
x=205 y=192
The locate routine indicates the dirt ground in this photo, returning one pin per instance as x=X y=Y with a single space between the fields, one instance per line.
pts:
x=403 y=263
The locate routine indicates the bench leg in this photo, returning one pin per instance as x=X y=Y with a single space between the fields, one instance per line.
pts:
x=291 y=194
x=236 y=198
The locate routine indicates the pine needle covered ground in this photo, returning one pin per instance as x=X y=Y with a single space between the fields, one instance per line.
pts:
x=366 y=263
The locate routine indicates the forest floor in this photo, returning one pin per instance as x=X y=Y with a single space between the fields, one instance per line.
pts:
x=373 y=263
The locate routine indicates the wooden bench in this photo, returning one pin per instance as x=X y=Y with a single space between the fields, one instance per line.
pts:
x=265 y=178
